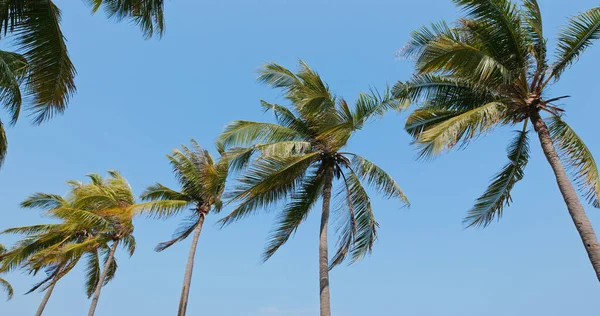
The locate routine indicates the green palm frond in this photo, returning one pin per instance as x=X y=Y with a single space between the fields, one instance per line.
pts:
x=183 y=231
x=13 y=69
x=7 y=288
x=33 y=229
x=295 y=212
x=161 y=209
x=443 y=92
x=51 y=73
x=278 y=76
x=147 y=14
x=92 y=272
x=578 y=35
x=345 y=218
x=44 y=201
x=244 y=133
x=533 y=25
x=577 y=157
x=460 y=128
x=129 y=243
x=491 y=204
x=268 y=180
x=377 y=178
x=373 y=104
x=502 y=22
x=159 y=192
x=3 y=143
x=285 y=117
x=365 y=223
x=113 y=266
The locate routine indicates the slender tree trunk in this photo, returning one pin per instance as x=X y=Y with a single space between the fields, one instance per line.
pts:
x=580 y=219
x=187 y=280
x=47 y=294
x=323 y=250
x=96 y=297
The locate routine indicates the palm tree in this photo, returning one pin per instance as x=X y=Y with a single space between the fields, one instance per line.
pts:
x=42 y=67
x=300 y=159
x=202 y=183
x=491 y=69
x=3 y=283
x=57 y=248
x=109 y=203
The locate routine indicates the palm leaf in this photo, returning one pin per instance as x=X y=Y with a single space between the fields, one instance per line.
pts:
x=147 y=14
x=7 y=288
x=13 y=68
x=295 y=212
x=460 y=128
x=244 y=133
x=578 y=35
x=183 y=231
x=492 y=202
x=92 y=272
x=51 y=73
x=577 y=157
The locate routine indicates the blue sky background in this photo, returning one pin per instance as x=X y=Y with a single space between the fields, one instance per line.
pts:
x=139 y=99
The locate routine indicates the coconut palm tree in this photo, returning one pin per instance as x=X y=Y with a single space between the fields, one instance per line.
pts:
x=41 y=70
x=491 y=69
x=3 y=283
x=299 y=160
x=202 y=182
x=57 y=248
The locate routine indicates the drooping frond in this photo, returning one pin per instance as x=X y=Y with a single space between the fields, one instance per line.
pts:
x=51 y=74
x=267 y=181
x=366 y=225
x=13 y=69
x=377 y=178
x=491 y=204
x=459 y=128
x=128 y=242
x=3 y=144
x=183 y=231
x=295 y=212
x=147 y=14
x=577 y=158
x=7 y=288
x=92 y=272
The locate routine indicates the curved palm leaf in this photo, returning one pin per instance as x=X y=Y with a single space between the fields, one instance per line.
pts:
x=492 y=202
x=577 y=157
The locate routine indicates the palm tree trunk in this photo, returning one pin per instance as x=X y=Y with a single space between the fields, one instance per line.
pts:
x=111 y=257
x=47 y=295
x=580 y=219
x=323 y=251
x=187 y=280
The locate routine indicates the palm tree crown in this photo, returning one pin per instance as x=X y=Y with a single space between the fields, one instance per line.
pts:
x=301 y=154
x=491 y=69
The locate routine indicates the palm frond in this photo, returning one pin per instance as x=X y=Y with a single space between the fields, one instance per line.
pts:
x=7 y=288
x=491 y=204
x=44 y=201
x=295 y=212
x=13 y=69
x=32 y=230
x=459 y=128
x=51 y=73
x=159 y=192
x=183 y=231
x=577 y=158
x=3 y=144
x=573 y=40
x=147 y=14
x=160 y=209
x=534 y=27
x=377 y=178
x=92 y=272
x=245 y=133
x=267 y=181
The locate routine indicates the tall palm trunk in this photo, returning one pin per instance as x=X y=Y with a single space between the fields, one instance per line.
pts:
x=48 y=294
x=323 y=251
x=111 y=257
x=187 y=280
x=580 y=219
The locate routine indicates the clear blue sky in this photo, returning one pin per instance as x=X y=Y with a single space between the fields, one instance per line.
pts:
x=139 y=99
